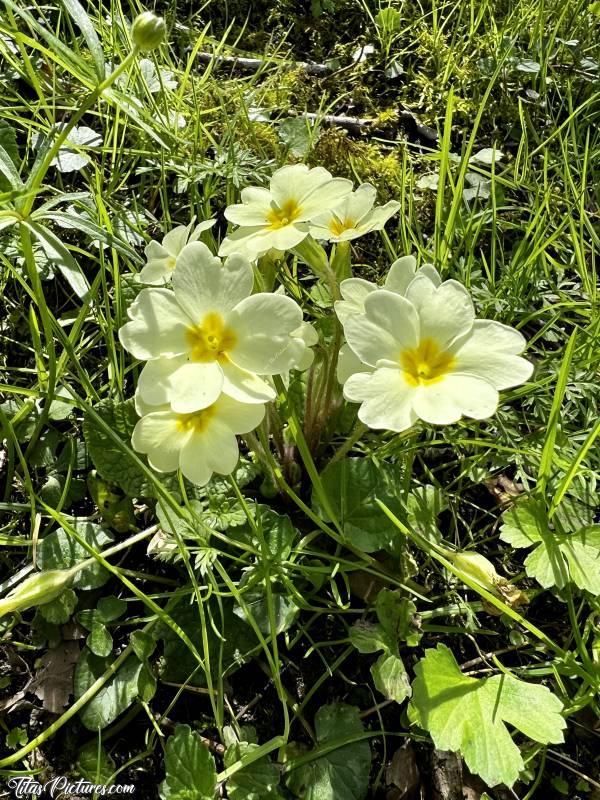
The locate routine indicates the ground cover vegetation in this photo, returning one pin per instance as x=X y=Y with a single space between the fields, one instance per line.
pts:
x=299 y=346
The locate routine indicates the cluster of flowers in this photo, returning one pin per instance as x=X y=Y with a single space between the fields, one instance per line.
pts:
x=210 y=346
x=413 y=350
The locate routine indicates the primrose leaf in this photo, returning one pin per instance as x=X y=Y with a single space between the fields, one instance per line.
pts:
x=189 y=766
x=528 y=65
x=285 y=609
x=342 y=773
x=111 y=608
x=257 y=781
x=557 y=558
x=112 y=461
x=352 y=486
x=99 y=640
x=277 y=530
x=230 y=642
x=469 y=715
x=296 y=135
x=117 y=694
x=488 y=155
x=423 y=506
x=396 y=616
x=59 y=550
x=59 y=610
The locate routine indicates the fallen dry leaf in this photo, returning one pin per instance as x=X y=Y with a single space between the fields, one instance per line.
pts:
x=53 y=681
x=403 y=773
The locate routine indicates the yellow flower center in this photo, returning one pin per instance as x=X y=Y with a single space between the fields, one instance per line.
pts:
x=426 y=363
x=197 y=422
x=211 y=339
x=337 y=226
x=279 y=217
x=171 y=262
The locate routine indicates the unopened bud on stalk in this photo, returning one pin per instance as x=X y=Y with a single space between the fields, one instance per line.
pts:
x=148 y=31
x=483 y=572
x=36 y=590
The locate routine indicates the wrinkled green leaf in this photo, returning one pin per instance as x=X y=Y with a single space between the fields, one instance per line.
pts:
x=295 y=133
x=225 y=655
x=390 y=677
x=112 y=462
x=99 y=640
x=256 y=781
x=189 y=767
x=277 y=530
x=352 y=485
x=396 y=616
x=285 y=610
x=423 y=506
x=111 y=608
x=143 y=644
x=59 y=610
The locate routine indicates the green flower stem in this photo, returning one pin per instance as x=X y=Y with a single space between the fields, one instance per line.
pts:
x=36 y=178
x=316 y=258
x=359 y=429
x=325 y=400
x=304 y=451
x=340 y=263
x=371 y=564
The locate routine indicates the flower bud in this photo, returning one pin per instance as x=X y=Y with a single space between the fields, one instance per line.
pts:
x=148 y=30
x=483 y=572
x=476 y=567
x=36 y=590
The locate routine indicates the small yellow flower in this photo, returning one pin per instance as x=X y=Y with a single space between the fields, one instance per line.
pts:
x=279 y=217
x=425 y=356
x=354 y=217
x=209 y=334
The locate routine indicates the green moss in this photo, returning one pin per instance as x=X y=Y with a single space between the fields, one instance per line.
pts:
x=360 y=161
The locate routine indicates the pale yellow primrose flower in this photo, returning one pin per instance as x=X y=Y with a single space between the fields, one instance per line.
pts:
x=354 y=217
x=354 y=291
x=162 y=258
x=279 y=217
x=429 y=358
x=209 y=334
x=401 y=274
x=199 y=443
